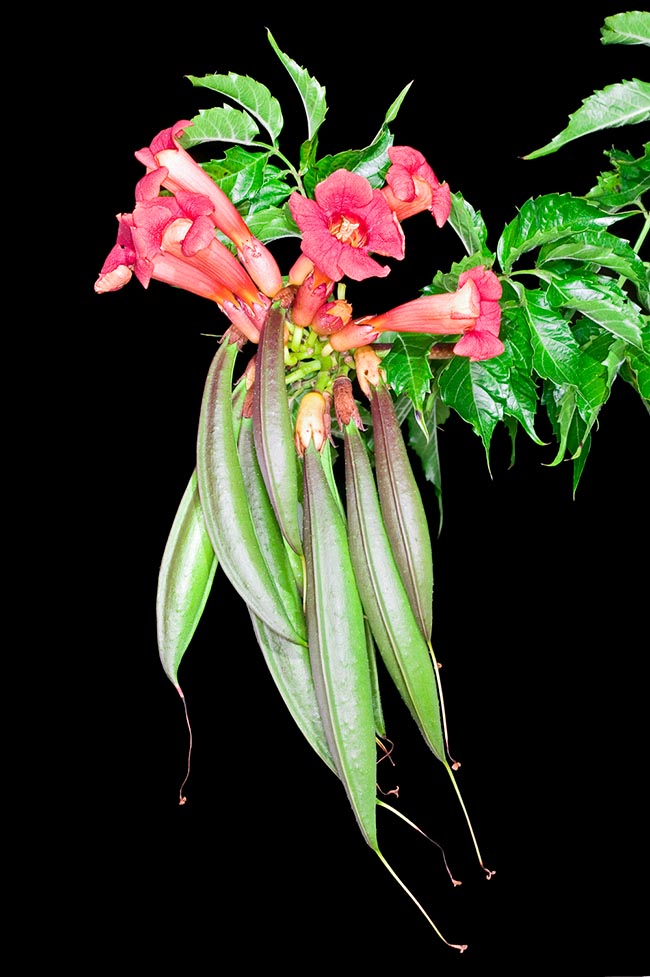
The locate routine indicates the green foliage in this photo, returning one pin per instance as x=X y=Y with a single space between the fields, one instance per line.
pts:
x=576 y=293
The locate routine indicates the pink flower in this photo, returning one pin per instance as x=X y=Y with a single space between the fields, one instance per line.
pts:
x=446 y=314
x=171 y=239
x=413 y=186
x=473 y=310
x=482 y=342
x=179 y=172
x=347 y=221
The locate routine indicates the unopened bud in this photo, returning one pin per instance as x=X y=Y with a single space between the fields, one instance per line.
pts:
x=331 y=317
x=368 y=366
x=312 y=422
x=345 y=406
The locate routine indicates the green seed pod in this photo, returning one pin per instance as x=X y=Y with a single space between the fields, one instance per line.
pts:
x=290 y=668
x=187 y=570
x=337 y=644
x=385 y=600
x=274 y=437
x=223 y=499
x=184 y=581
x=401 y=507
x=267 y=529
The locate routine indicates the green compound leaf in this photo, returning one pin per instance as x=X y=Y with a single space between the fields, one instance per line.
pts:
x=220 y=125
x=627 y=28
x=625 y=103
x=250 y=94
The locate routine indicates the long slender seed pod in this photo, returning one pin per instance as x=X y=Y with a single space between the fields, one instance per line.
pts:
x=186 y=571
x=184 y=581
x=223 y=498
x=401 y=506
x=338 y=652
x=290 y=668
x=385 y=600
x=274 y=437
x=337 y=645
x=394 y=626
x=267 y=529
x=404 y=517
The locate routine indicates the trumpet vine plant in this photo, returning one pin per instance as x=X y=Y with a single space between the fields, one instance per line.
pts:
x=313 y=411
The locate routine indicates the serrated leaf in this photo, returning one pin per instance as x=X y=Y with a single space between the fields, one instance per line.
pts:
x=468 y=225
x=557 y=357
x=407 y=367
x=250 y=94
x=311 y=92
x=220 y=125
x=477 y=392
x=272 y=223
x=371 y=163
x=545 y=219
x=521 y=390
x=639 y=367
x=625 y=103
x=240 y=174
x=601 y=301
x=632 y=27
x=599 y=248
x=625 y=183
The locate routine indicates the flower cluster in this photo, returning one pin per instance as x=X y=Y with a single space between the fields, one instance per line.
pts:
x=172 y=237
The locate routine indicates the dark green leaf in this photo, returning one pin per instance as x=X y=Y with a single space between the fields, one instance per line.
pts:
x=478 y=392
x=407 y=367
x=625 y=183
x=470 y=227
x=602 y=301
x=546 y=219
x=371 y=163
x=521 y=393
x=597 y=248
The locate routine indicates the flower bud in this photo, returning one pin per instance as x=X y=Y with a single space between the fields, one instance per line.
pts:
x=312 y=422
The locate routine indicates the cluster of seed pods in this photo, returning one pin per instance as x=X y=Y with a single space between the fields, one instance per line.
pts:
x=326 y=541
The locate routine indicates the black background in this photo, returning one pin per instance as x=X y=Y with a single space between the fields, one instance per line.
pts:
x=540 y=615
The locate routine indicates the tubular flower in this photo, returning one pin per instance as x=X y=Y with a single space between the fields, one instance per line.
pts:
x=347 y=220
x=413 y=186
x=448 y=314
x=179 y=172
x=473 y=310
x=169 y=239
